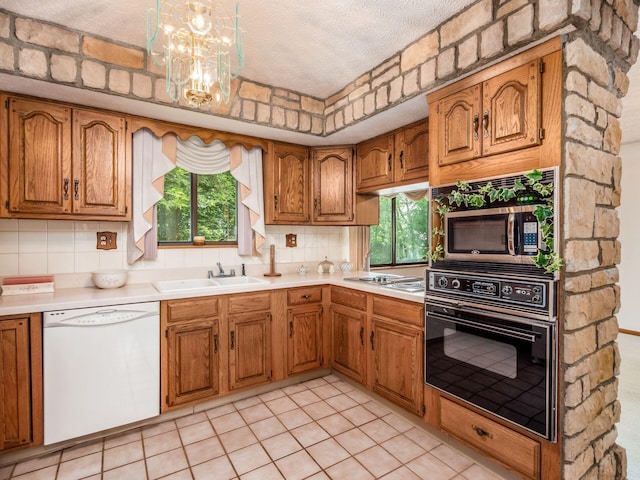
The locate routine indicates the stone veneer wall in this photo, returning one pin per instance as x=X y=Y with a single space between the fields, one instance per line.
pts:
x=600 y=48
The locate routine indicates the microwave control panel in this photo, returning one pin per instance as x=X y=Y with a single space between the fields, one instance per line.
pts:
x=502 y=290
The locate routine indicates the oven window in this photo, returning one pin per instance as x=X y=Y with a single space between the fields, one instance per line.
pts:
x=487 y=354
x=485 y=234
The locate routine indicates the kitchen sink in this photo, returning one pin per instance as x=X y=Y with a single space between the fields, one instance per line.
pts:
x=167 y=286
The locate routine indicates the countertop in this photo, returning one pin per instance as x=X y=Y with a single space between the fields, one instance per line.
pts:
x=69 y=298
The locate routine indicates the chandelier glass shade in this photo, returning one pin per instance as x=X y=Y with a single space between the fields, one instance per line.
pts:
x=200 y=47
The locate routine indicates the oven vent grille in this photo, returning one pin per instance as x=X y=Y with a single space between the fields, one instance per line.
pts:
x=548 y=176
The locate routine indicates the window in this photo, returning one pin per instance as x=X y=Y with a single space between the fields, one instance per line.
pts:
x=402 y=237
x=198 y=205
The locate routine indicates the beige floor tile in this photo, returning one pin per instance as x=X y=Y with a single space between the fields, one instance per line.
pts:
x=191 y=419
x=237 y=439
x=341 y=402
x=349 y=469
x=429 y=467
x=131 y=471
x=359 y=396
x=403 y=448
x=451 y=457
x=331 y=378
x=82 y=450
x=161 y=443
x=122 y=455
x=476 y=472
x=267 y=472
x=255 y=413
x=247 y=402
x=318 y=476
x=397 y=422
x=80 y=467
x=281 y=445
x=122 y=438
x=319 y=410
x=217 y=469
x=343 y=386
x=294 y=418
x=309 y=434
x=220 y=411
x=36 y=464
x=376 y=408
x=5 y=472
x=291 y=389
x=335 y=424
x=181 y=475
x=423 y=438
x=196 y=432
x=378 y=461
x=158 y=429
x=355 y=441
x=204 y=450
x=402 y=473
x=297 y=466
x=379 y=430
x=327 y=453
x=267 y=397
x=267 y=428
x=326 y=391
x=166 y=463
x=315 y=383
x=305 y=397
x=249 y=458
x=281 y=405
x=358 y=415
x=48 y=473
x=228 y=422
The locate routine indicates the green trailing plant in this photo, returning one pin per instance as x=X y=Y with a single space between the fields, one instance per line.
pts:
x=462 y=195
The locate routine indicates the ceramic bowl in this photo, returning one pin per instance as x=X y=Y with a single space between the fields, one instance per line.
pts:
x=110 y=278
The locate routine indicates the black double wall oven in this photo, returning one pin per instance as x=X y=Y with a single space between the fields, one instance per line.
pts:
x=490 y=325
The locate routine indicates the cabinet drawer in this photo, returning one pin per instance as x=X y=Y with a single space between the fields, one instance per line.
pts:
x=303 y=296
x=252 y=302
x=349 y=298
x=191 y=308
x=517 y=451
x=403 y=311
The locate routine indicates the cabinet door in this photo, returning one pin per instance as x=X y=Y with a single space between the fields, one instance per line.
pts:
x=374 y=163
x=347 y=341
x=39 y=157
x=99 y=164
x=397 y=362
x=511 y=110
x=15 y=392
x=249 y=349
x=304 y=344
x=412 y=153
x=287 y=185
x=193 y=361
x=333 y=182
x=459 y=126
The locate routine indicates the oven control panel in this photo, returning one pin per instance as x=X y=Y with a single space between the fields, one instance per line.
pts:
x=521 y=292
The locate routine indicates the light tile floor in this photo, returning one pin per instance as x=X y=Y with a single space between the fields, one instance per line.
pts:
x=320 y=429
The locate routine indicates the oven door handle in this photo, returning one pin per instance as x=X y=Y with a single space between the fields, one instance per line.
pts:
x=531 y=338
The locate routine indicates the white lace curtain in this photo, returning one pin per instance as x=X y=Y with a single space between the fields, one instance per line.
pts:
x=154 y=157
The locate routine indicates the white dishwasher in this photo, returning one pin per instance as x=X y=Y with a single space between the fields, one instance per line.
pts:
x=101 y=368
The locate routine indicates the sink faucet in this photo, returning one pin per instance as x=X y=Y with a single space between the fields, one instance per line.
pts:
x=220 y=268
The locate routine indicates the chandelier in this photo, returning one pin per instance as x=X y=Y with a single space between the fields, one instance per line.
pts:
x=200 y=47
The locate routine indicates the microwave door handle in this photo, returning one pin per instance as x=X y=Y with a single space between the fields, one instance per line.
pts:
x=511 y=234
x=486 y=328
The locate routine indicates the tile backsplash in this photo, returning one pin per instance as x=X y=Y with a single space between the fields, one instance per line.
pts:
x=66 y=247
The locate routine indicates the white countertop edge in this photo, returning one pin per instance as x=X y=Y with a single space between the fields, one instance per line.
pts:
x=70 y=298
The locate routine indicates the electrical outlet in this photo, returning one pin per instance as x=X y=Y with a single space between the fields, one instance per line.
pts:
x=107 y=240
x=292 y=240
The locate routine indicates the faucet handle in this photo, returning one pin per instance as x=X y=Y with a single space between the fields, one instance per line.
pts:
x=232 y=272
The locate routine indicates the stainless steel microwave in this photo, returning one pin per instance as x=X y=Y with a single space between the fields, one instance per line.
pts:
x=502 y=235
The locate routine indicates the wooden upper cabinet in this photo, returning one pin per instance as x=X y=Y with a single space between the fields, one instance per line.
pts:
x=99 y=164
x=64 y=162
x=333 y=185
x=287 y=184
x=397 y=158
x=503 y=120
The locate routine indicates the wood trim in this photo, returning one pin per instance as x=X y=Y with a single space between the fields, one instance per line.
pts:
x=37 y=415
x=629 y=332
x=161 y=128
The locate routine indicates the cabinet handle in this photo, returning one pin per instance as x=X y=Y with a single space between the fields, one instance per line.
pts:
x=371 y=339
x=233 y=340
x=361 y=335
x=389 y=160
x=401 y=159
x=290 y=329
x=485 y=123
x=215 y=343
x=306 y=295
x=476 y=126
x=65 y=188
x=315 y=203
x=481 y=432
x=275 y=202
x=76 y=184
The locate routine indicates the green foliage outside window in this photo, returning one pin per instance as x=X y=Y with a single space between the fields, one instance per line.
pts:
x=402 y=236
x=197 y=205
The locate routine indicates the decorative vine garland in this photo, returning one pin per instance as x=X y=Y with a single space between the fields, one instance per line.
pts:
x=547 y=259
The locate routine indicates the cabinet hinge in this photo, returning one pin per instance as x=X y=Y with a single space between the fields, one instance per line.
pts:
x=541 y=67
x=126 y=124
x=424 y=410
x=166 y=400
x=166 y=334
x=541 y=133
x=6 y=204
x=6 y=103
x=126 y=210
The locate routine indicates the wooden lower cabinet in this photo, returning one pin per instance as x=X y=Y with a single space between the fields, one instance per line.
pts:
x=249 y=349
x=20 y=382
x=304 y=329
x=347 y=341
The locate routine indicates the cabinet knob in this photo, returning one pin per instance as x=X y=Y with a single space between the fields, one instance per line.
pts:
x=76 y=184
x=275 y=202
x=306 y=295
x=401 y=159
x=389 y=160
x=485 y=123
x=233 y=340
x=476 y=126
x=481 y=432
x=290 y=329
x=215 y=343
x=65 y=188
